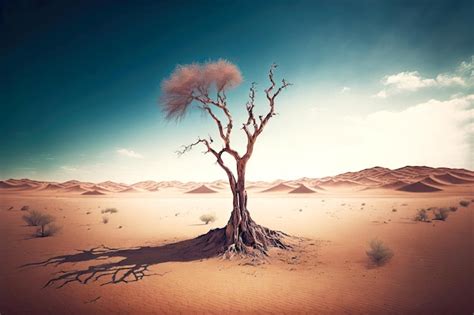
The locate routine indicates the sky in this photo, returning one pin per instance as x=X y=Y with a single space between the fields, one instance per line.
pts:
x=375 y=83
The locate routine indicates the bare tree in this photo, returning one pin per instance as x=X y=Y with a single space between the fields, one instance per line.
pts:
x=194 y=84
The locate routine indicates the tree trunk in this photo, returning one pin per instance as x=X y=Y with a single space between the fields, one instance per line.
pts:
x=243 y=235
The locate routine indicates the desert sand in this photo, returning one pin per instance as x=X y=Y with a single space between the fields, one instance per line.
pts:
x=143 y=259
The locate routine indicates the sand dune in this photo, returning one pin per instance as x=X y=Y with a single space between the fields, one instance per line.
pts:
x=279 y=188
x=419 y=187
x=93 y=192
x=75 y=188
x=451 y=179
x=339 y=184
x=302 y=189
x=367 y=179
x=395 y=185
x=131 y=190
x=52 y=187
x=203 y=189
x=431 y=181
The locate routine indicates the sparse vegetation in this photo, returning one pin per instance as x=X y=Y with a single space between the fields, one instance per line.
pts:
x=109 y=210
x=379 y=253
x=43 y=221
x=37 y=218
x=206 y=218
x=441 y=214
x=453 y=209
x=48 y=230
x=464 y=203
x=105 y=219
x=422 y=216
x=394 y=210
x=25 y=208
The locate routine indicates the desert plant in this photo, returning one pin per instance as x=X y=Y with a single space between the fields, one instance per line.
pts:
x=43 y=221
x=206 y=218
x=441 y=214
x=37 y=218
x=379 y=253
x=421 y=215
x=394 y=210
x=464 y=203
x=25 y=208
x=47 y=230
x=109 y=210
x=453 y=209
x=105 y=219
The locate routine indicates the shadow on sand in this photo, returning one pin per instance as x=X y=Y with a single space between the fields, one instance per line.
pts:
x=134 y=262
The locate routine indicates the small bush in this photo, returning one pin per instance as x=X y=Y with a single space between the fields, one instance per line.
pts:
x=25 y=208
x=394 y=210
x=109 y=210
x=464 y=203
x=378 y=253
x=37 y=218
x=206 y=218
x=48 y=230
x=453 y=209
x=441 y=214
x=421 y=215
x=105 y=219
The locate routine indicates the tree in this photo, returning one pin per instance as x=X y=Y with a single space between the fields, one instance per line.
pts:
x=194 y=84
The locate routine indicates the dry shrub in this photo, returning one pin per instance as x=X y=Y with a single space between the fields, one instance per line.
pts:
x=379 y=253
x=109 y=210
x=105 y=219
x=441 y=214
x=464 y=203
x=43 y=222
x=25 y=208
x=421 y=215
x=37 y=218
x=206 y=218
x=453 y=209
x=48 y=230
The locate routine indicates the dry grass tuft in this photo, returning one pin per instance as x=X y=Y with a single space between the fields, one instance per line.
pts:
x=379 y=253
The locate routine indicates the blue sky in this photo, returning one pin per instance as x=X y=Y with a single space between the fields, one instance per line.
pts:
x=80 y=84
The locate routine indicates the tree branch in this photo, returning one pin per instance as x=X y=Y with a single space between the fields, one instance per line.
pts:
x=218 y=155
x=258 y=127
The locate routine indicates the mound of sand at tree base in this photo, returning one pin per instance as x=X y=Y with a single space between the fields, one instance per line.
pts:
x=279 y=188
x=451 y=179
x=93 y=192
x=302 y=189
x=418 y=187
x=203 y=189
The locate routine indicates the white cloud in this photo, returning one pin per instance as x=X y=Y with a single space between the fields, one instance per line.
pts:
x=467 y=67
x=411 y=81
x=438 y=132
x=432 y=133
x=129 y=153
x=345 y=89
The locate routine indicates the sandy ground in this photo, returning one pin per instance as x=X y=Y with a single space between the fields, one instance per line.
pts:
x=328 y=271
